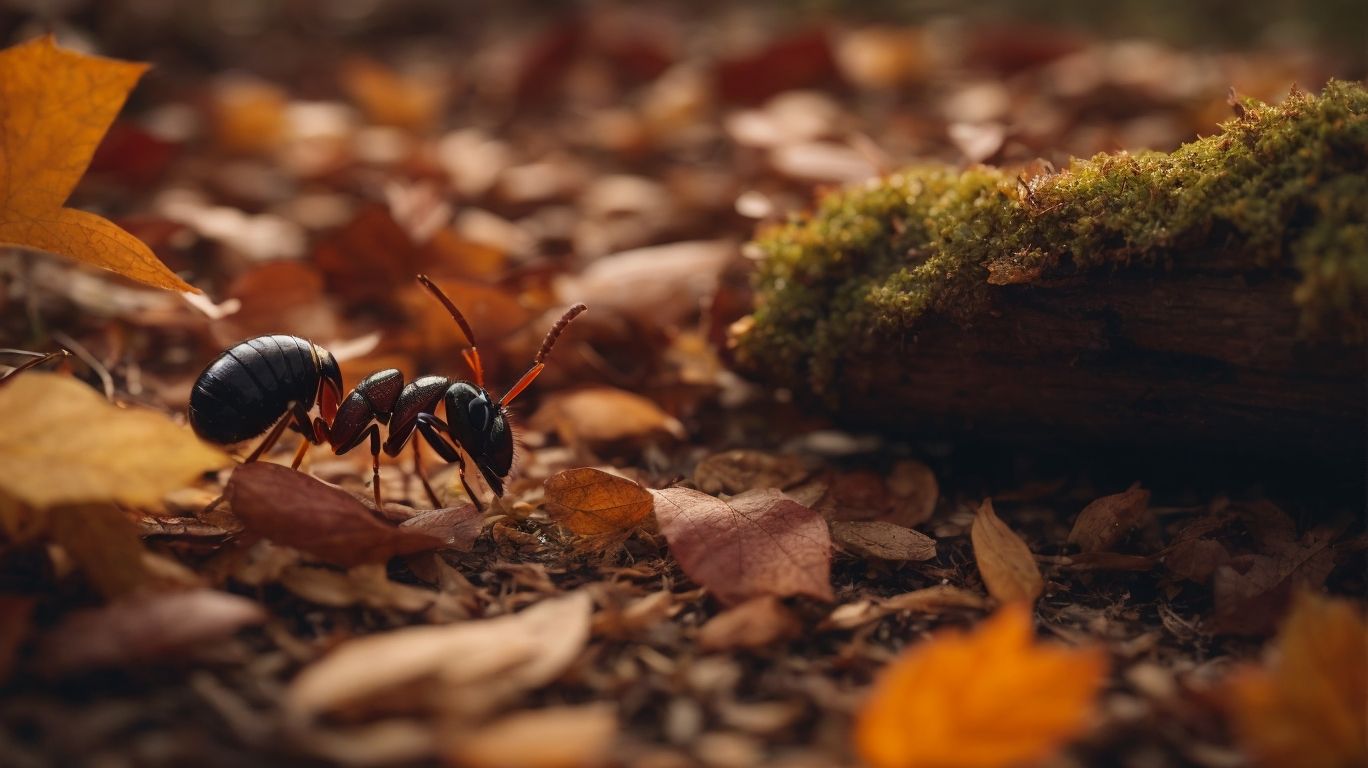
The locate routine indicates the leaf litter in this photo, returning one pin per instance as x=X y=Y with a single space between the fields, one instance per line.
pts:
x=685 y=570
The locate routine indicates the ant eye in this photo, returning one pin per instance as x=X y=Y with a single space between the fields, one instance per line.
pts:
x=480 y=414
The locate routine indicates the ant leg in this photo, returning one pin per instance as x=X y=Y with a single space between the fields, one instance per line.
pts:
x=270 y=439
x=431 y=428
x=472 y=355
x=539 y=361
x=375 y=464
x=304 y=444
x=418 y=470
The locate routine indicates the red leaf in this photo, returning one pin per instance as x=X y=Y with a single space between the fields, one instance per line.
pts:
x=758 y=543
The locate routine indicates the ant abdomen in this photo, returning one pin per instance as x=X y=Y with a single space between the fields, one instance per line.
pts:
x=251 y=385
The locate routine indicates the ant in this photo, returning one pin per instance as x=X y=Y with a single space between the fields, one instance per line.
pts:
x=38 y=358
x=277 y=379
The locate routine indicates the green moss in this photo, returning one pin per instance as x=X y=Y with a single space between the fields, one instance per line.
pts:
x=1284 y=184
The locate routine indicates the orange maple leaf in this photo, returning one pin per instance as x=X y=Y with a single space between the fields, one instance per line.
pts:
x=55 y=107
x=1309 y=704
x=985 y=699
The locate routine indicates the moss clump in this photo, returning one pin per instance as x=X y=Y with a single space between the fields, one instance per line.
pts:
x=1284 y=184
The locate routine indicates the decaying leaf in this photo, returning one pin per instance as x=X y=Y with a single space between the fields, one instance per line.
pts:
x=1009 y=570
x=294 y=509
x=366 y=585
x=143 y=629
x=883 y=541
x=16 y=621
x=596 y=504
x=1252 y=591
x=64 y=444
x=558 y=737
x=990 y=698
x=1308 y=705
x=58 y=105
x=476 y=666
x=757 y=543
x=739 y=470
x=603 y=415
x=906 y=496
x=756 y=623
x=1107 y=520
x=929 y=600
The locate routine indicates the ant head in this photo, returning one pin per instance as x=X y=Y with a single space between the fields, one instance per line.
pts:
x=480 y=425
x=329 y=385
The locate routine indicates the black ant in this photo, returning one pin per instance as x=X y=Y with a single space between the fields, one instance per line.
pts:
x=38 y=358
x=277 y=379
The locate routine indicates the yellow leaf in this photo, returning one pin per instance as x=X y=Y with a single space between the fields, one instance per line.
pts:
x=55 y=107
x=1005 y=562
x=990 y=698
x=1309 y=704
x=63 y=444
x=104 y=543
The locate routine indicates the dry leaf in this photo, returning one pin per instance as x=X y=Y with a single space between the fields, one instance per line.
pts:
x=64 y=444
x=603 y=415
x=105 y=544
x=409 y=102
x=477 y=665
x=1252 y=591
x=1009 y=570
x=144 y=629
x=456 y=527
x=732 y=472
x=906 y=497
x=1105 y=521
x=1308 y=705
x=884 y=541
x=990 y=698
x=594 y=503
x=366 y=585
x=929 y=600
x=559 y=737
x=294 y=509
x=756 y=623
x=659 y=285
x=58 y=105
x=758 y=543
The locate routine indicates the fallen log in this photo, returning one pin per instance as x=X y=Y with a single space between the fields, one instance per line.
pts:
x=1213 y=297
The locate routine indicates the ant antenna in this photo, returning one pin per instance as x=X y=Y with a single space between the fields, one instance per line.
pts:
x=539 y=362
x=472 y=355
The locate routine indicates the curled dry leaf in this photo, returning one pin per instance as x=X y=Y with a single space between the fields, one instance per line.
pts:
x=758 y=543
x=929 y=600
x=1107 y=520
x=58 y=105
x=883 y=541
x=596 y=504
x=660 y=285
x=756 y=623
x=294 y=509
x=603 y=415
x=732 y=472
x=906 y=497
x=366 y=585
x=1252 y=591
x=476 y=666
x=43 y=463
x=143 y=629
x=990 y=698
x=1009 y=570
x=1307 y=704
x=558 y=737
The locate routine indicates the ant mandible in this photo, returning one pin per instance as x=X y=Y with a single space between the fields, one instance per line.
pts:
x=277 y=379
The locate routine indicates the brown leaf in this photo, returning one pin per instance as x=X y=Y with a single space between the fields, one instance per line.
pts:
x=366 y=585
x=58 y=105
x=145 y=629
x=756 y=623
x=1252 y=591
x=130 y=456
x=906 y=497
x=1009 y=570
x=1196 y=559
x=991 y=698
x=456 y=527
x=603 y=415
x=558 y=737
x=929 y=600
x=1307 y=704
x=294 y=509
x=758 y=543
x=593 y=503
x=883 y=541
x=732 y=472
x=659 y=285
x=476 y=666
x=1107 y=520
x=389 y=98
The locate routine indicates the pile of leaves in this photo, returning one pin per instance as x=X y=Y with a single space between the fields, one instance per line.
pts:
x=684 y=569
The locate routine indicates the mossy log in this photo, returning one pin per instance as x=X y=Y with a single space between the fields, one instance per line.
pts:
x=1211 y=296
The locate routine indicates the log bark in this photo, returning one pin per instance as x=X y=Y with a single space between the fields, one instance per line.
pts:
x=1206 y=354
